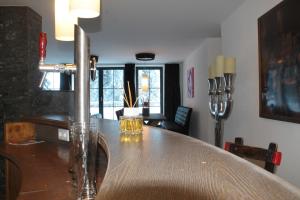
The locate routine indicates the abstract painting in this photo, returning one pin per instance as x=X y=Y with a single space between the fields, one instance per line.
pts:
x=190 y=82
x=279 y=62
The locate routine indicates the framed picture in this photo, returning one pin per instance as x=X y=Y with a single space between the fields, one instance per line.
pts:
x=190 y=82
x=279 y=62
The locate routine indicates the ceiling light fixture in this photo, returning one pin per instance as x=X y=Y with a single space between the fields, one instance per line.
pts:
x=85 y=8
x=145 y=56
x=64 y=21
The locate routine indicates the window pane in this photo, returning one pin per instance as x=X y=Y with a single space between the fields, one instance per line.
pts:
x=155 y=78
x=108 y=79
x=94 y=98
x=154 y=109
x=108 y=97
x=154 y=97
x=112 y=92
x=118 y=97
x=108 y=112
x=48 y=82
x=140 y=72
x=52 y=81
x=118 y=78
x=143 y=96
x=95 y=83
x=56 y=81
x=94 y=110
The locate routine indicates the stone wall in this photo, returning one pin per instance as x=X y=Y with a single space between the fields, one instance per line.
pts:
x=19 y=73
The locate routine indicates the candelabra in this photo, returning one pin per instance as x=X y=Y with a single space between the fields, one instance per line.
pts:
x=220 y=102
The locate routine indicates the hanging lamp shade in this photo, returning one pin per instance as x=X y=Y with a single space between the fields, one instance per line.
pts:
x=64 y=21
x=85 y=8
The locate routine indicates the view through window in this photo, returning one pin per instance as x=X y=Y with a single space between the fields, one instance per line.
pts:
x=106 y=92
x=112 y=92
x=94 y=95
x=52 y=82
x=154 y=93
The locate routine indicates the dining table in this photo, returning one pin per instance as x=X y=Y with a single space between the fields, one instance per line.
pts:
x=153 y=119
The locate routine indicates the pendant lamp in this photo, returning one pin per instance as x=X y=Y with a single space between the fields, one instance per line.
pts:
x=85 y=8
x=64 y=21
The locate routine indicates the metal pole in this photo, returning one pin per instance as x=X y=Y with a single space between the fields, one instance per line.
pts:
x=82 y=77
x=218 y=133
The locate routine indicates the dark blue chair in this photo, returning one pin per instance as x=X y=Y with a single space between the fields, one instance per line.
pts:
x=181 y=123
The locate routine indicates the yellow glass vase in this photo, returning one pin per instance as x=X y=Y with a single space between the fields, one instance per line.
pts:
x=131 y=122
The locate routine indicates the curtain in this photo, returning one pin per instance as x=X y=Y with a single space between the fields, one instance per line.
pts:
x=172 y=90
x=129 y=74
x=65 y=81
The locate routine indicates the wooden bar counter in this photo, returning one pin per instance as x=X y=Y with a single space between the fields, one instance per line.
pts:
x=167 y=165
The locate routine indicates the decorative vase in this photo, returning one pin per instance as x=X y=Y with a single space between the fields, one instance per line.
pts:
x=131 y=122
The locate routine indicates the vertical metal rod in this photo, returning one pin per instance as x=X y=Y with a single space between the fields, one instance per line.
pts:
x=218 y=133
x=82 y=77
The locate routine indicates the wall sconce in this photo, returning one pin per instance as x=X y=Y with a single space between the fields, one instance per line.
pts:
x=64 y=21
x=85 y=8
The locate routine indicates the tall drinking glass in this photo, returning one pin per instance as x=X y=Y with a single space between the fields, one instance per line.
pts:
x=84 y=149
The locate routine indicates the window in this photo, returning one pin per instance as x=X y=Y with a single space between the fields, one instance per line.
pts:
x=52 y=81
x=94 y=95
x=111 y=95
x=154 y=93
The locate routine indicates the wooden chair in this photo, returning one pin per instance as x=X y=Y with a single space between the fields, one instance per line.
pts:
x=181 y=123
x=266 y=158
x=18 y=132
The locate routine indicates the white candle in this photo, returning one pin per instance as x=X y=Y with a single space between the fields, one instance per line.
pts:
x=211 y=72
x=230 y=64
x=219 y=68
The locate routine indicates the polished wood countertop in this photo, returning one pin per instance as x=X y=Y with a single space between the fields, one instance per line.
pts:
x=168 y=165
x=45 y=170
x=163 y=165
x=60 y=121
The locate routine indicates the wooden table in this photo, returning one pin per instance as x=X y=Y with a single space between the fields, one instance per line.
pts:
x=164 y=165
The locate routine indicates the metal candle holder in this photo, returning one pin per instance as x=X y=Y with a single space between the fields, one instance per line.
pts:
x=220 y=102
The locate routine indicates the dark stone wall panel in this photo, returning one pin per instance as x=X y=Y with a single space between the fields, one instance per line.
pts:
x=19 y=73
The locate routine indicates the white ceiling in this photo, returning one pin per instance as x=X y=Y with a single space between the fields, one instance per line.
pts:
x=171 y=29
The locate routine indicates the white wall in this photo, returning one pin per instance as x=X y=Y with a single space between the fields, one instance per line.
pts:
x=201 y=123
x=240 y=38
